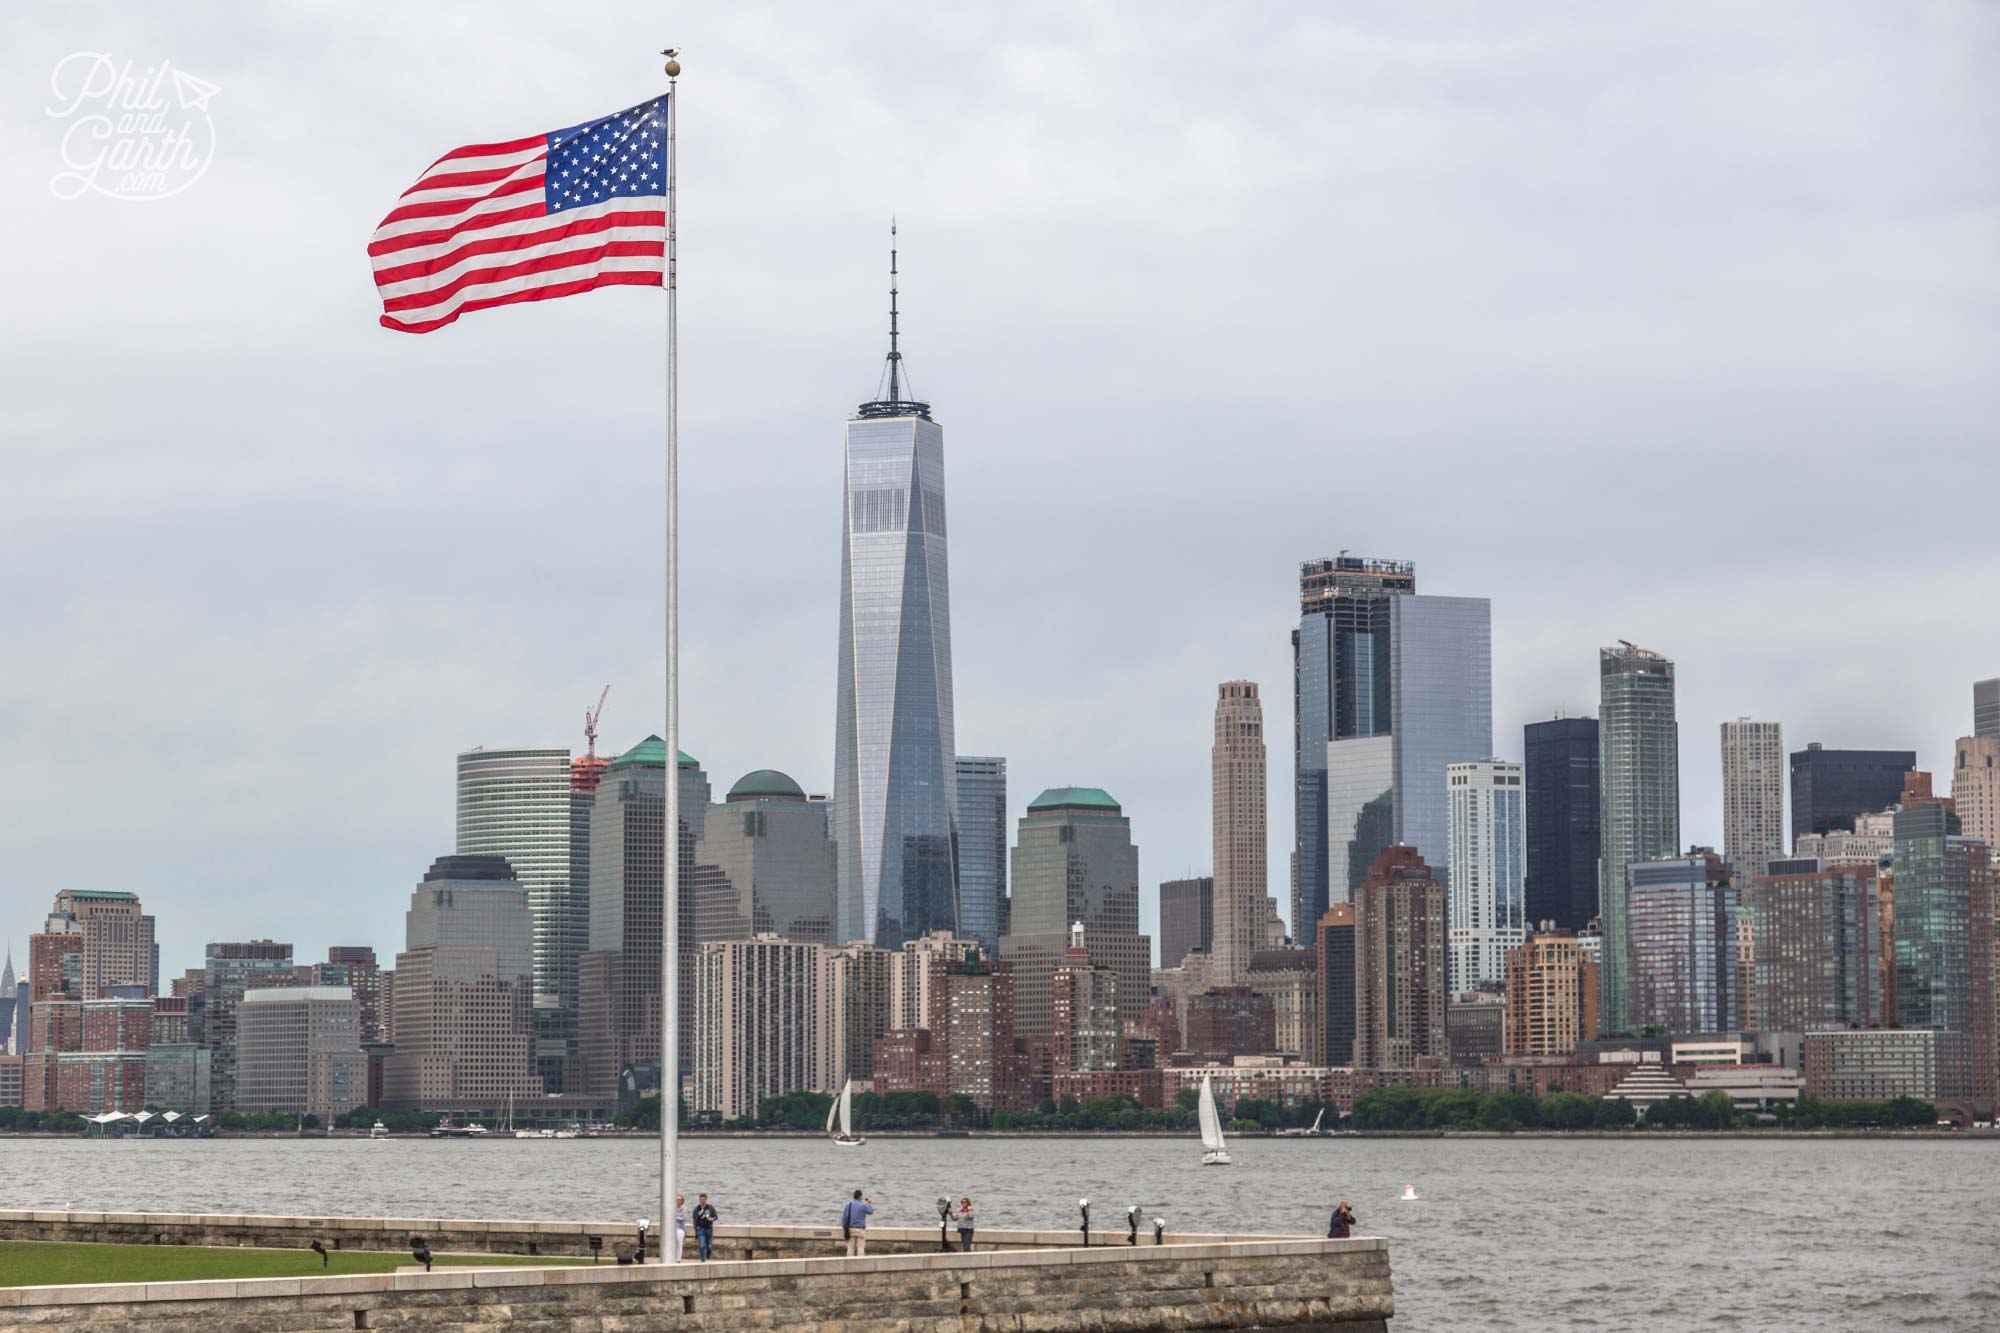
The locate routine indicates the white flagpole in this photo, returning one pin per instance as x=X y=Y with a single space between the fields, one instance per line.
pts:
x=670 y=1100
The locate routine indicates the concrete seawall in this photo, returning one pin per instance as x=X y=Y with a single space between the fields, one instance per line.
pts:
x=1028 y=1281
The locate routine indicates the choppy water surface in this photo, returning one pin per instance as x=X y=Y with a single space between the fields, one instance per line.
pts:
x=1511 y=1233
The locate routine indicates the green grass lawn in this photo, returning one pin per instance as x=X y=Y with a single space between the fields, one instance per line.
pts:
x=33 y=1263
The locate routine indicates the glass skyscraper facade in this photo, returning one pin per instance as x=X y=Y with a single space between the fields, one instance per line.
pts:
x=982 y=848
x=1830 y=788
x=1441 y=708
x=1681 y=921
x=1640 y=818
x=895 y=779
x=1562 y=810
x=1360 y=799
x=1340 y=690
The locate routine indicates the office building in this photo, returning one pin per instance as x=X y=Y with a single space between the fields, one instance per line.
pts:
x=1083 y=1012
x=1831 y=787
x=895 y=776
x=764 y=864
x=911 y=987
x=1441 y=708
x=178 y=1077
x=1884 y=1063
x=1333 y=958
x=1871 y=840
x=234 y=969
x=1551 y=995
x=1340 y=690
x=1288 y=979
x=1472 y=1028
x=1944 y=938
x=1186 y=918
x=982 y=848
x=354 y=966
x=1753 y=797
x=1681 y=923
x=1074 y=863
x=1640 y=800
x=1229 y=1021
x=758 y=1024
x=1359 y=795
x=299 y=1052
x=1486 y=907
x=464 y=992
x=1975 y=787
x=1986 y=707
x=973 y=1033
x=1237 y=795
x=92 y=940
x=1399 y=962
x=1560 y=778
x=1814 y=940
x=618 y=978
x=520 y=803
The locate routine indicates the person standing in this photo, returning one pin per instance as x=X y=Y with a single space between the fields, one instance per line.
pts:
x=964 y=1218
x=680 y=1225
x=704 y=1225
x=854 y=1224
x=1341 y=1225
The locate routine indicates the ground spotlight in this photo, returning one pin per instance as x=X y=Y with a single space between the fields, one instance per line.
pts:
x=421 y=1250
x=320 y=1250
x=596 y=1246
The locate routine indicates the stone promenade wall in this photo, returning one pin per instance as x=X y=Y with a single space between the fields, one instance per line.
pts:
x=1301 y=1284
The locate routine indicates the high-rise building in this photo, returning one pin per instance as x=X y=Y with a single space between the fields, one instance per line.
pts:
x=354 y=966
x=299 y=1052
x=93 y=939
x=1551 y=995
x=1083 y=1012
x=1340 y=690
x=1237 y=797
x=758 y=1024
x=1074 y=862
x=1975 y=787
x=1872 y=838
x=1562 y=807
x=894 y=775
x=1441 y=708
x=982 y=848
x=1399 y=964
x=855 y=999
x=1186 y=918
x=464 y=992
x=912 y=971
x=234 y=969
x=1753 y=797
x=1288 y=979
x=1359 y=796
x=1334 y=962
x=1681 y=925
x=1487 y=912
x=1831 y=787
x=519 y=803
x=618 y=978
x=1986 y=707
x=1640 y=799
x=1944 y=937
x=764 y=864
x=1813 y=941
x=972 y=1032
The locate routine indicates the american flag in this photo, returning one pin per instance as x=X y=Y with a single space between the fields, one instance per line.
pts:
x=526 y=220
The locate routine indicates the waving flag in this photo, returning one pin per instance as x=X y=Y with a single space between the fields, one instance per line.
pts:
x=527 y=220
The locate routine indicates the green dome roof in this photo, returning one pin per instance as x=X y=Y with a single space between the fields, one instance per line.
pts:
x=1056 y=798
x=766 y=783
x=652 y=751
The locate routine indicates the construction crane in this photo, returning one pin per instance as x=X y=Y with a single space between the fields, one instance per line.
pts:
x=590 y=725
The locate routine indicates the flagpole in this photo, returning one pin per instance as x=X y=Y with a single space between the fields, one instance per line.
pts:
x=670 y=1100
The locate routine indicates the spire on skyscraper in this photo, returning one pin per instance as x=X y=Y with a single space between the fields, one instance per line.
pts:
x=895 y=379
x=8 y=985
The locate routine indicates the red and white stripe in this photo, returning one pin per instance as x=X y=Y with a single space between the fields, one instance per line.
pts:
x=475 y=231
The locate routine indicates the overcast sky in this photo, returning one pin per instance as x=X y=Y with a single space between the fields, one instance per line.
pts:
x=1673 y=323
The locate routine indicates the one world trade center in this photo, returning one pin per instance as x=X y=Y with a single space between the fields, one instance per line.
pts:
x=894 y=772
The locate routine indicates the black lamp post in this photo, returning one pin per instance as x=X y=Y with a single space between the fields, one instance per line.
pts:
x=1083 y=1206
x=944 y=1219
x=596 y=1245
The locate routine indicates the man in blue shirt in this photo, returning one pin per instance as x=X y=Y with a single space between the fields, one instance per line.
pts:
x=854 y=1224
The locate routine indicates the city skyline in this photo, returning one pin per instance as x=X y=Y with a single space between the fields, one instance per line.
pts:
x=355 y=664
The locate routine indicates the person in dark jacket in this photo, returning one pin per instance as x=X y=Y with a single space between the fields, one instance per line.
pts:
x=964 y=1219
x=1341 y=1225
x=704 y=1225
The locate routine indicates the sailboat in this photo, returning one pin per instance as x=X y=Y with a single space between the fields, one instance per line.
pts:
x=1312 y=1133
x=843 y=1107
x=1213 y=1152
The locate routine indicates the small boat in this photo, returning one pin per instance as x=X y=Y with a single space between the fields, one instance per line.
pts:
x=1213 y=1151
x=1312 y=1133
x=843 y=1107
x=1410 y=1192
x=475 y=1130
x=380 y=1131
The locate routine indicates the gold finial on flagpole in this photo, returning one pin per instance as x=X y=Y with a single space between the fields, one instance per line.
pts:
x=673 y=65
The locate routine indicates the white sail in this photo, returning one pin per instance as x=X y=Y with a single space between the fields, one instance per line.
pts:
x=832 y=1110
x=1321 y=1115
x=1211 y=1124
x=847 y=1109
